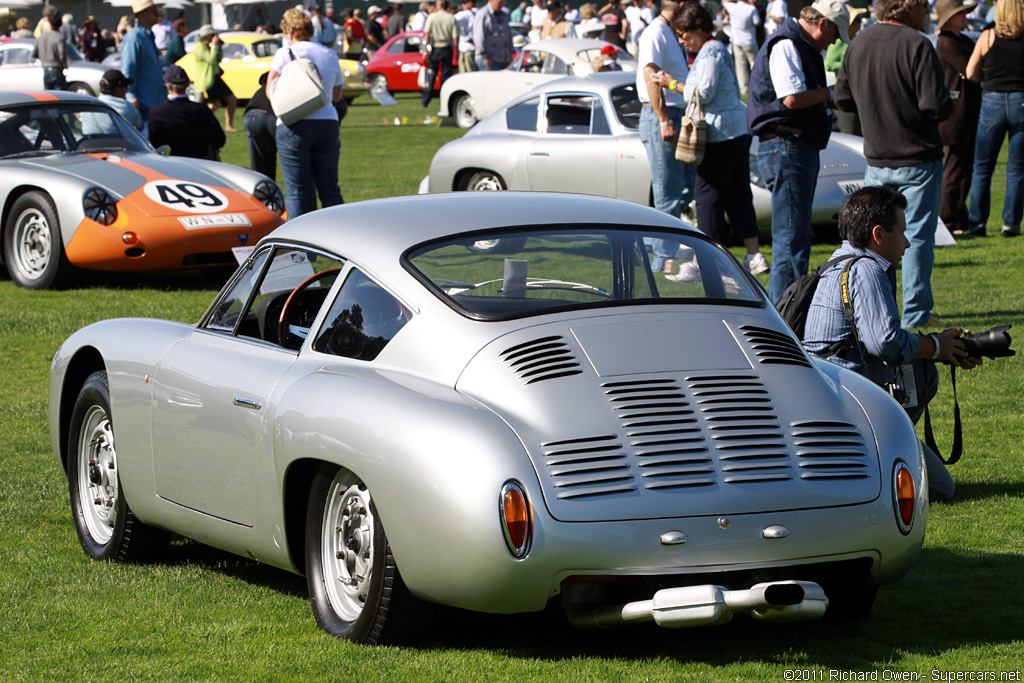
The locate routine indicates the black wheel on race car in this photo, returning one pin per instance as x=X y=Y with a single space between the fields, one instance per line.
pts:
x=106 y=526
x=462 y=110
x=33 y=247
x=354 y=585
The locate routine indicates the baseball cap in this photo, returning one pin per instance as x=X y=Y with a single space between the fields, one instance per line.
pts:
x=112 y=78
x=175 y=75
x=836 y=12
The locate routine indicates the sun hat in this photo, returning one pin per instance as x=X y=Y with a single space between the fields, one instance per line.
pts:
x=207 y=30
x=142 y=5
x=947 y=9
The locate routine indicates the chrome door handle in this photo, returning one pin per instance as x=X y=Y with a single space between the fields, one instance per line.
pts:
x=540 y=154
x=250 y=403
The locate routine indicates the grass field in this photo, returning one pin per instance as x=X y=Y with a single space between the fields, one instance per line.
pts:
x=205 y=615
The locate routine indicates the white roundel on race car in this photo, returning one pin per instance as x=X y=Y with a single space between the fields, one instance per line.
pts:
x=185 y=196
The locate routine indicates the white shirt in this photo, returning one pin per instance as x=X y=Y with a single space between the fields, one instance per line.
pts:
x=326 y=61
x=776 y=8
x=464 y=19
x=744 y=20
x=786 y=70
x=658 y=46
x=419 y=20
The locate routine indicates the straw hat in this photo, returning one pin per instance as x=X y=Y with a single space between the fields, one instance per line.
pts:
x=143 y=5
x=947 y=9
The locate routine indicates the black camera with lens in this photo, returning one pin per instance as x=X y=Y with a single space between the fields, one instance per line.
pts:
x=994 y=343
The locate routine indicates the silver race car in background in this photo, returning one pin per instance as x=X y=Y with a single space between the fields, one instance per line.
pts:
x=579 y=134
x=19 y=71
x=407 y=419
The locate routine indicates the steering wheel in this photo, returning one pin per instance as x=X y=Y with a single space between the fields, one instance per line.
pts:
x=315 y=277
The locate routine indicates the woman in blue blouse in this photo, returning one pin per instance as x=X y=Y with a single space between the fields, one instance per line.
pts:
x=723 y=177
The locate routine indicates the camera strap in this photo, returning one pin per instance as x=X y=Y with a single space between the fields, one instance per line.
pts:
x=958 y=441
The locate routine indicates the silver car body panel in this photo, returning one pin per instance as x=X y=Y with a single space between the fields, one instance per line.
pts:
x=18 y=74
x=437 y=424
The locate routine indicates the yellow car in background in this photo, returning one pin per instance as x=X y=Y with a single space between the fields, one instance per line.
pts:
x=247 y=55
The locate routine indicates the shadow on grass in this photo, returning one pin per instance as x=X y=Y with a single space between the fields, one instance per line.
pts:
x=984 y=490
x=166 y=281
x=948 y=601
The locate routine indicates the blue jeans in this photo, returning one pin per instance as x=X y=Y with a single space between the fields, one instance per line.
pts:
x=440 y=59
x=261 y=130
x=309 y=150
x=1001 y=113
x=671 y=180
x=922 y=186
x=790 y=170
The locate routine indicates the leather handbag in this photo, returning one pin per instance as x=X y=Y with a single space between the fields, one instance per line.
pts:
x=298 y=91
x=693 y=132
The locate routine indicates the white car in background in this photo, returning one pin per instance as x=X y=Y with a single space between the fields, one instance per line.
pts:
x=473 y=96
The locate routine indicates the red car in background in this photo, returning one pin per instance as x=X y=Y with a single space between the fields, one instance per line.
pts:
x=396 y=65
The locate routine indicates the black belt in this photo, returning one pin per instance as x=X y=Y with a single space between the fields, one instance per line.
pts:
x=775 y=131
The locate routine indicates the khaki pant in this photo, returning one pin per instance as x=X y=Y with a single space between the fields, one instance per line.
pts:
x=467 y=62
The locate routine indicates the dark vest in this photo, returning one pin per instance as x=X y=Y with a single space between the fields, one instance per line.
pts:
x=765 y=110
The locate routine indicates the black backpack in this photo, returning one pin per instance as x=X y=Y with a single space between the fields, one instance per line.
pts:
x=796 y=299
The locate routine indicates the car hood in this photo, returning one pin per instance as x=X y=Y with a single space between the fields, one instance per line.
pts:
x=652 y=415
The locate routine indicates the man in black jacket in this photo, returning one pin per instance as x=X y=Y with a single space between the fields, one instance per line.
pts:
x=189 y=128
x=892 y=77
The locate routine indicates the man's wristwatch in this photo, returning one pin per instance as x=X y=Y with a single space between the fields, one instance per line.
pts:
x=935 y=338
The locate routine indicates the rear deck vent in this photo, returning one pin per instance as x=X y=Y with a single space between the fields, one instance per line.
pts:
x=588 y=467
x=541 y=359
x=830 y=450
x=774 y=348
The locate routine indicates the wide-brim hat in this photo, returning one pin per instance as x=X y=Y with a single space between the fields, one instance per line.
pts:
x=207 y=30
x=91 y=20
x=856 y=13
x=836 y=12
x=143 y=5
x=947 y=9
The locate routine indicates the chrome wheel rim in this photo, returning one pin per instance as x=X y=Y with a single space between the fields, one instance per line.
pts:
x=484 y=183
x=347 y=548
x=464 y=115
x=32 y=245
x=97 y=475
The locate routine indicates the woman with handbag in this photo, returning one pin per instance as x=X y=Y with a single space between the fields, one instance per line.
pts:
x=723 y=173
x=309 y=148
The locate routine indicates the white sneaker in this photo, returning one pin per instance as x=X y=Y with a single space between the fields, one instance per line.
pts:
x=756 y=263
x=688 y=272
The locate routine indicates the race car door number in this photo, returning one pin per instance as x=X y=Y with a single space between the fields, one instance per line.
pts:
x=186 y=197
x=215 y=220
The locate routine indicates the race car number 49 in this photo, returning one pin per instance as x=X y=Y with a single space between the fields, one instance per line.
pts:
x=185 y=196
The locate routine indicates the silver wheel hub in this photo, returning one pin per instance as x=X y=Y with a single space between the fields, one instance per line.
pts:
x=487 y=183
x=347 y=548
x=97 y=475
x=32 y=247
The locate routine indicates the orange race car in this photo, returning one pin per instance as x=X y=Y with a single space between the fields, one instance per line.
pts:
x=81 y=188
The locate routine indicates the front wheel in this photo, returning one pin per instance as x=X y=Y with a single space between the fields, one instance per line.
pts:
x=106 y=526
x=462 y=109
x=484 y=181
x=33 y=247
x=379 y=83
x=354 y=585
x=81 y=88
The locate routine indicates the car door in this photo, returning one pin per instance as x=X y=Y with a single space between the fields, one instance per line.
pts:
x=520 y=77
x=212 y=393
x=407 y=60
x=574 y=151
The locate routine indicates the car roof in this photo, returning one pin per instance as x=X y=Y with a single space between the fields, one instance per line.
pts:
x=14 y=97
x=596 y=83
x=377 y=231
x=568 y=48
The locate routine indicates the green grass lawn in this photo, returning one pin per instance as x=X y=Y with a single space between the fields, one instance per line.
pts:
x=205 y=615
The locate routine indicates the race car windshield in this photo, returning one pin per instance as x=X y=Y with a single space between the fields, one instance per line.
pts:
x=66 y=128
x=514 y=274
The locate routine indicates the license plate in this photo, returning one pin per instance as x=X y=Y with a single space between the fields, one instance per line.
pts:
x=850 y=186
x=214 y=220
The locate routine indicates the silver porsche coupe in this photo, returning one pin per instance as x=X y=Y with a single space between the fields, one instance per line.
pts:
x=490 y=401
x=579 y=134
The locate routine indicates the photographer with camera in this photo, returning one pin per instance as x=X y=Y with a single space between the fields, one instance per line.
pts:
x=865 y=334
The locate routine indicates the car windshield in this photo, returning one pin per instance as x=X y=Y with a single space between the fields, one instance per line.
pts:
x=57 y=128
x=514 y=274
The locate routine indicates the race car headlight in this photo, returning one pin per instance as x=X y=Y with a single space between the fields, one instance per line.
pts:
x=99 y=206
x=515 y=519
x=904 y=496
x=270 y=195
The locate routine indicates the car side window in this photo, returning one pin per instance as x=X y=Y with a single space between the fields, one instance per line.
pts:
x=277 y=297
x=571 y=114
x=234 y=51
x=18 y=56
x=363 y=319
x=398 y=47
x=555 y=66
x=523 y=116
x=533 y=61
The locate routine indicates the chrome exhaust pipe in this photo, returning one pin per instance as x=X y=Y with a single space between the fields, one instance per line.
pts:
x=710 y=605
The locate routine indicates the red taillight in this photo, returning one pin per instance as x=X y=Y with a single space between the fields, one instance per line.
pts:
x=905 y=496
x=515 y=518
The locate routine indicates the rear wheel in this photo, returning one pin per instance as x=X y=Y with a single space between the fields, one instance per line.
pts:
x=33 y=248
x=483 y=181
x=462 y=109
x=81 y=88
x=106 y=526
x=354 y=584
x=379 y=82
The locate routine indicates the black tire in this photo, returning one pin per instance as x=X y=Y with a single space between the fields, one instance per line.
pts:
x=81 y=88
x=33 y=247
x=106 y=526
x=355 y=588
x=462 y=110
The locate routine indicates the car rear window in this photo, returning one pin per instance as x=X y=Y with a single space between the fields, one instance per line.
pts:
x=518 y=273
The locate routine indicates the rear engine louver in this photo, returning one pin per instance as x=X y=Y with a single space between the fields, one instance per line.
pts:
x=830 y=450
x=541 y=359
x=748 y=439
x=774 y=347
x=586 y=467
